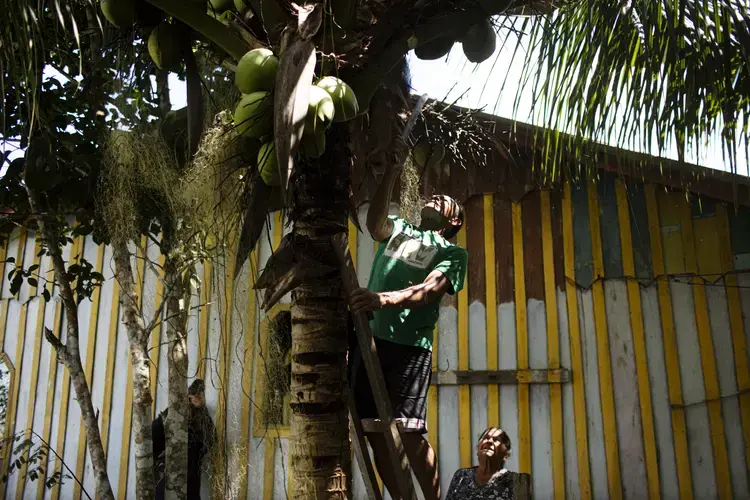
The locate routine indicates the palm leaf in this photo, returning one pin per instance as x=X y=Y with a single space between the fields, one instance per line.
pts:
x=640 y=74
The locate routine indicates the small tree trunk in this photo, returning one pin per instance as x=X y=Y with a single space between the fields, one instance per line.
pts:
x=176 y=426
x=69 y=353
x=320 y=457
x=138 y=340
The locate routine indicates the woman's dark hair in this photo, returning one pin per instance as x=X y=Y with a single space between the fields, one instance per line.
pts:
x=197 y=387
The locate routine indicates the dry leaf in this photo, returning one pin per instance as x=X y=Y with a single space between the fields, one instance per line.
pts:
x=293 y=82
x=309 y=19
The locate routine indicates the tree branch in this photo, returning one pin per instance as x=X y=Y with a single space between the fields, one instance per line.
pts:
x=194 y=98
x=212 y=29
x=451 y=24
x=66 y=291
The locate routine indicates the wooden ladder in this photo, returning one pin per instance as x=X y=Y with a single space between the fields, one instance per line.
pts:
x=391 y=429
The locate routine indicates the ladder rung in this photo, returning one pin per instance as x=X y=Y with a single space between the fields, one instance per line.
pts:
x=374 y=425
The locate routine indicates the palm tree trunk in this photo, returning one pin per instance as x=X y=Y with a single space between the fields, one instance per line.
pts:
x=320 y=451
x=138 y=340
x=176 y=426
x=69 y=353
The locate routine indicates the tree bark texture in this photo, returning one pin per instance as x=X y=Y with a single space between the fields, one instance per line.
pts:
x=69 y=353
x=138 y=341
x=176 y=426
x=320 y=462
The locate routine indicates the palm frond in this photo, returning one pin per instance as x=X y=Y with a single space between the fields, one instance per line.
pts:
x=646 y=75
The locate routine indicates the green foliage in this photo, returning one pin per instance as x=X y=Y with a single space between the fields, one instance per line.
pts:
x=58 y=110
x=29 y=449
x=84 y=279
x=644 y=74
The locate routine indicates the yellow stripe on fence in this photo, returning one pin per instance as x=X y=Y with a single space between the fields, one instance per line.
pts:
x=156 y=333
x=127 y=424
x=62 y=425
x=465 y=441
x=553 y=349
x=639 y=343
x=709 y=264
x=18 y=360
x=89 y=366
x=602 y=350
x=38 y=333
x=50 y=401
x=576 y=355
x=736 y=325
x=674 y=382
x=522 y=342
x=490 y=301
x=247 y=368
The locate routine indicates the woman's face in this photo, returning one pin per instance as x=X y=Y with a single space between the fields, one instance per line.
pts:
x=490 y=446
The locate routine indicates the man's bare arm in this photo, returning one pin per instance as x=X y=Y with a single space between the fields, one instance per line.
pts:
x=430 y=290
x=378 y=223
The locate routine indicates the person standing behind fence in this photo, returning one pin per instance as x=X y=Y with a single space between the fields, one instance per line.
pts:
x=490 y=480
x=201 y=437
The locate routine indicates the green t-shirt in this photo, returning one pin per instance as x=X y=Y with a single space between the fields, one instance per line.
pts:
x=405 y=260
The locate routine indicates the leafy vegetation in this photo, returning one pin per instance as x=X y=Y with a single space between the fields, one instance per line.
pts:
x=88 y=103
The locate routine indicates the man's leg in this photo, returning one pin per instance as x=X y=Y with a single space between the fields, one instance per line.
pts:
x=424 y=463
x=421 y=457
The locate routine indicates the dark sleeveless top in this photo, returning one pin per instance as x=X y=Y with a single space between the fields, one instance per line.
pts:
x=464 y=486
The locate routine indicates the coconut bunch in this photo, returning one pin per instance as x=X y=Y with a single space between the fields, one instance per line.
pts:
x=478 y=44
x=331 y=100
x=123 y=13
x=164 y=45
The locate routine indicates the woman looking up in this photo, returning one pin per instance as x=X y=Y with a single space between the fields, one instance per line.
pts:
x=490 y=480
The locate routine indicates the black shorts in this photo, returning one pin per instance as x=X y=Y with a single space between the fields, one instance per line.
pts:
x=407 y=371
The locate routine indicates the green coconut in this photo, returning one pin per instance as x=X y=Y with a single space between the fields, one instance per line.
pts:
x=313 y=145
x=427 y=153
x=253 y=116
x=164 y=45
x=320 y=111
x=221 y=6
x=344 y=101
x=434 y=49
x=479 y=42
x=121 y=13
x=268 y=165
x=256 y=71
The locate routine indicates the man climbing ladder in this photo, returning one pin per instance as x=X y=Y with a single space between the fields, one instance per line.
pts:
x=413 y=268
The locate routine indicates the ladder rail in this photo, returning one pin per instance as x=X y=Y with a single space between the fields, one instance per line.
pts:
x=393 y=438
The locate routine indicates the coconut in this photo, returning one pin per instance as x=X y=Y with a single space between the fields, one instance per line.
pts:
x=479 y=42
x=221 y=6
x=121 y=13
x=313 y=145
x=434 y=49
x=344 y=101
x=256 y=71
x=268 y=165
x=320 y=111
x=164 y=45
x=428 y=154
x=253 y=116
